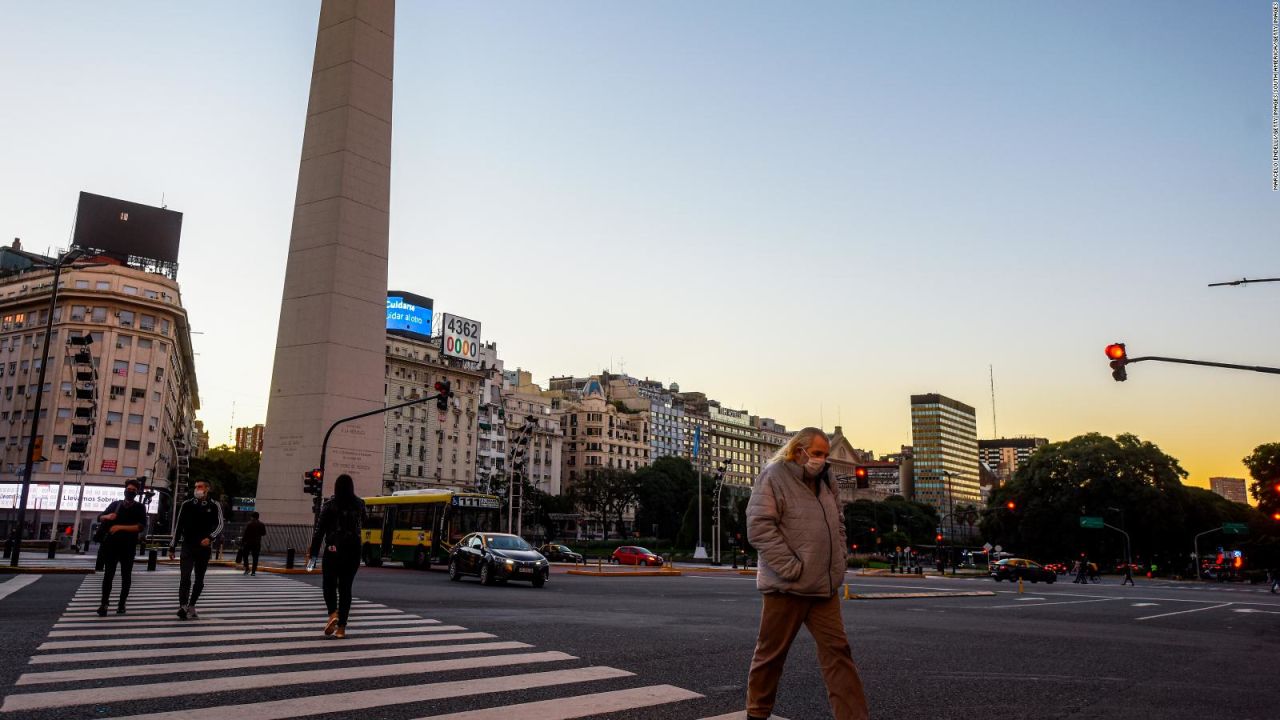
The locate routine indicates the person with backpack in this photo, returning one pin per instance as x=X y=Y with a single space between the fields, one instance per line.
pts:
x=123 y=523
x=338 y=531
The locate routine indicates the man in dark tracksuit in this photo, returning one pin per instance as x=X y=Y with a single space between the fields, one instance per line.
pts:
x=251 y=543
x=199 y=524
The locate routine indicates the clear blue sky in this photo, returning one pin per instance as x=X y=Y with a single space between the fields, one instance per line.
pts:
x=811 y=211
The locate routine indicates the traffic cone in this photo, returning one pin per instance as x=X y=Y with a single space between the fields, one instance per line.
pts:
x=1019 y=586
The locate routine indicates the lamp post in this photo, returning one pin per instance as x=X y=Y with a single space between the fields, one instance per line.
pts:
x=66 y=259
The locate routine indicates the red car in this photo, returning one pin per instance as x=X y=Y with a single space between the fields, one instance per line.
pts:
x=633 y=555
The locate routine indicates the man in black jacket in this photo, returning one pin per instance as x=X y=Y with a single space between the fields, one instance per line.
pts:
x=251 y=542
x=123 y=522
x=199 y=524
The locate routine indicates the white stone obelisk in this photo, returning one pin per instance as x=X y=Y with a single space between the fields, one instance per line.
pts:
x=330 y=344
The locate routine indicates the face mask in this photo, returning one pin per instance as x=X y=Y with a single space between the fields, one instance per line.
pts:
x=813 y=465
x=201 y=494
x=130 y=495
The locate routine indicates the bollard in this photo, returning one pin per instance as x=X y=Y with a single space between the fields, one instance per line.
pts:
x=53 y=549
x=288 y=559
x=1019 y=586
x=599 y=565
x=847 y=596
x=151 y=560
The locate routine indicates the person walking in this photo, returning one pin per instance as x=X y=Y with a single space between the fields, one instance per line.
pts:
x=1128 y=574
x=1082 y=570
x=123 y=523
x=1275 y=581
x=795 y=523
x=199 y=524
x=338 y=531
x=251 y=542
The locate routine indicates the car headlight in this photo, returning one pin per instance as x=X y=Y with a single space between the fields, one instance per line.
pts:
x=509 y=563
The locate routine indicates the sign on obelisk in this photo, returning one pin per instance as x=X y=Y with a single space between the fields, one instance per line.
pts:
x=330 y=344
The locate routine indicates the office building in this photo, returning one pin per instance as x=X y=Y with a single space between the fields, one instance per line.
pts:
x=1232 y=489
x=1006 y=455
x=249 y=439
x=944 y=440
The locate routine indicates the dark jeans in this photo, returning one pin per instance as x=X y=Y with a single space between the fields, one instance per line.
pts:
x=194 y=557
x=250 y=551
x=340 y=568
x=112 y=553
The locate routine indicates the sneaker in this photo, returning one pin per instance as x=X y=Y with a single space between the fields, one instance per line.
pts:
x=102 y=611
x=120 y=610
x=182 y=613
x=191 y=613
x=254 y=573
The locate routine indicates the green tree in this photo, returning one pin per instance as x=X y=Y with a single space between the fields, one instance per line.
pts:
x=665 y=488
x=1264 y=467
x=608 y=494
x=231 y=472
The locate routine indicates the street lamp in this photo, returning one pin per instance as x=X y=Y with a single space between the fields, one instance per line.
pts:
x=67 y=258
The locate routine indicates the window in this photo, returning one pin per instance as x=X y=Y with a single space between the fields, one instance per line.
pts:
x=78 y=312
x=82 y=284
x=151 y=448
x=120 y=367
x=102 y=285
x=148 y=322
x=124 y=341
x=64 y=412
x=100 y=315
x=135 y=419
x=126 y=318
x=144 y=343
x=111 y=442
x=132 y=445
x=114 y=417
x=130 y=290
x=130 y=471
x=141 y=368
x=164 y=326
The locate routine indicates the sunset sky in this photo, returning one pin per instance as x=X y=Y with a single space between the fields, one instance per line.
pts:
x=809 y=211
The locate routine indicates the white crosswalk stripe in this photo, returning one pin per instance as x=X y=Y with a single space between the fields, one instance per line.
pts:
x=265 y=636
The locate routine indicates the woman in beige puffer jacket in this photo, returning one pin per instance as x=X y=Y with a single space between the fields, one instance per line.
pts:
x=795 y=522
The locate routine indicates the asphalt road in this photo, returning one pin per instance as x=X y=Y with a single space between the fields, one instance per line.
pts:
x=646 y=647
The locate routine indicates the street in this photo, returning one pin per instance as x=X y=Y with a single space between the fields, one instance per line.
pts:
x=420 y=646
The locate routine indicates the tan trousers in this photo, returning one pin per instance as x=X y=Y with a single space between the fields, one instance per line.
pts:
x=779 y=622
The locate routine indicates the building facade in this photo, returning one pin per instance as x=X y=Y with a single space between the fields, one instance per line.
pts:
x=119 y=394
x=424 y=448
x=249 y=439
x=1232 y=489
x=600 y=435
x=521 y=401
x=944 y=439
x=1006 y=455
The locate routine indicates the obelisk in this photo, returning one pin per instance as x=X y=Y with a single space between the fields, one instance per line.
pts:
x=330 y=343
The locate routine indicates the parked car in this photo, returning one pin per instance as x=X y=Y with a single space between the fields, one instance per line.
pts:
x=1014 y=569
x=634 y=555
x=498 y=557
x=559 y=553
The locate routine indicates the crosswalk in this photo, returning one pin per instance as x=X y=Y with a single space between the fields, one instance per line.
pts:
x=258 y=639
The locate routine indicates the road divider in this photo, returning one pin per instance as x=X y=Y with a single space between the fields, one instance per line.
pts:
x=914 y=595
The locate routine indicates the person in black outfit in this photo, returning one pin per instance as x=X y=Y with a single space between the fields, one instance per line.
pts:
x=251 y=542
x=199 y=524
x=124 y=521
x=339 y=531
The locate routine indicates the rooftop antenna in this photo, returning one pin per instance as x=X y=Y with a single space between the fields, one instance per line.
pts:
x=995 y=429
x=162 y=205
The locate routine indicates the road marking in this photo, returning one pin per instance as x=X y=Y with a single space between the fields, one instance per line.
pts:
x=1024 y=599
x=17 y=583
x=1063 y=602
x=125 y=670
x=407 y=635
x=199 y=626
x=214 y=615
x=578 y=706
x=90 y=608
x=1183 y=612
x=740 y=715
x=114 y=621
x=1145 y=604
x=1252 y=610
x=399 y=626
x=350 y=702
x=211 y=684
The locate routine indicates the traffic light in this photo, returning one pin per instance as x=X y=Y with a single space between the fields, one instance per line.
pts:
x=937 y=538
x=1275 y=516
x=313 y=482
x=860 y=477
x=442 y=396
x=1011 y=505
x=1119 y=358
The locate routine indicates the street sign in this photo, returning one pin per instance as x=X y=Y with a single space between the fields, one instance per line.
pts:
x=987 y=546
x=1235 y=528
x=1091 y=521
x=999 y=548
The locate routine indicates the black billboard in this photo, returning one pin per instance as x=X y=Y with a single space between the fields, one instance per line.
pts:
x=122 y=229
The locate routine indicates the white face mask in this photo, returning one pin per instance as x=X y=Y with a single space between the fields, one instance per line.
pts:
x=201 y=494
x=813 y=465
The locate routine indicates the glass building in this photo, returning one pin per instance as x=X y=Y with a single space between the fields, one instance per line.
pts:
x=944 y=437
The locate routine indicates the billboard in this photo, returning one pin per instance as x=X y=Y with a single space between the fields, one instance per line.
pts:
x=460 y=337
x=44 y=496
x=409 y=313
x=119 y=228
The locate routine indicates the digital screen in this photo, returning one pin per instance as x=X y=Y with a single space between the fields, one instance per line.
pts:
x=121 y=228
x=409 y=313
x=44 y=496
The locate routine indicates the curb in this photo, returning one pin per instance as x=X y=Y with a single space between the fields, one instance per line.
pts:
x=912 y=596
x=625 y=573
x=37 y=570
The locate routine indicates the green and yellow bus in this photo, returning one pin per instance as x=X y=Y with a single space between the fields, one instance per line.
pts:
x=420 y=527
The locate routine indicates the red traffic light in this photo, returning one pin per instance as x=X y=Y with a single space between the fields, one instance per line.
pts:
x=316 y=474
x=860 y=473
x=938 y=537
x=1116 y=351
x=1011 y=505
x=873 y=529
x=1275 y=516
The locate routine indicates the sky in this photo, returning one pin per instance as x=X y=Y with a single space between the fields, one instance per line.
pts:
x=808 y=211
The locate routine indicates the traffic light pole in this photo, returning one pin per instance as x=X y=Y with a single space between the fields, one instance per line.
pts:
x=1253 y=368
x=324 y=446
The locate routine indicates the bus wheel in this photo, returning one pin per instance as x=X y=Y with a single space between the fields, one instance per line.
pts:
x=421 y=560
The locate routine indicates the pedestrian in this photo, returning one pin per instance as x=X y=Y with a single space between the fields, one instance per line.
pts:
x=795 y=523
x=1128 y=574
x=1275 y=581
x=338 y=531
x=199 y=524
x=251 y=542
x=122 y=524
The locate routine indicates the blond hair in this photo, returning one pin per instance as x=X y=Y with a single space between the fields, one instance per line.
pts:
x=787 y=453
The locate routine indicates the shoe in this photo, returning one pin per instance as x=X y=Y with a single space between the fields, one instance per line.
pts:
x=120 y=610
x=330 y=626
x=182 y=613
x=102 y=611
x=254 y=573
x=191 y=613
x=340 y=633
x=246 y=572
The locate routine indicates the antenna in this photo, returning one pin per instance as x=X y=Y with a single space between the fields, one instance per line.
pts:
x=995 y=431
x=162 y=205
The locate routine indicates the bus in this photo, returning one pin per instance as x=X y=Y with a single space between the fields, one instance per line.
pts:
x=420 y=527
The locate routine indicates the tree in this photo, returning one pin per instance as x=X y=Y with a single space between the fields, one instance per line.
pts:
x=608 y=493
x=231 y=472
x=665 y=488
x=1264 y=466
